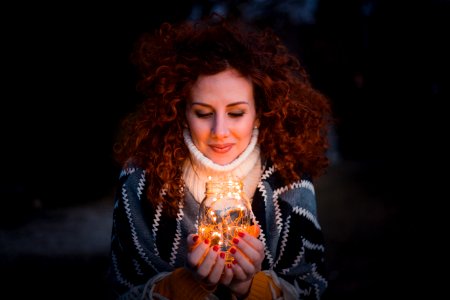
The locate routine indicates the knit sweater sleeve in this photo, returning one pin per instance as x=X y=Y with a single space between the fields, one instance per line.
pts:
x=133 y=259
x=294 y=244
x=140 y=268
x=181 y=285
x=178 y=284
x=263 y=288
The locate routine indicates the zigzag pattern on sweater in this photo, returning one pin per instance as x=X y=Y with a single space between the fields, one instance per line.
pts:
x=127 y=171
x=178 y=236
x=315 y=274
x=307 y=292
x=137 y=267
x=297 y=260
x=316 y=287
x=118 y=274
x=278 y=217
x=268 y=172
x=262 y=236
x=141 y=185
x=313 y=246
x=296 y=185
x=318 y=276
x=134 y=236
x=155 y=226
x=268 y=214
x=307 y=214
x=304 y=184
x=284 y=239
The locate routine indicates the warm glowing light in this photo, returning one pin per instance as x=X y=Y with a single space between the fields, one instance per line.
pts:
x=223 y=213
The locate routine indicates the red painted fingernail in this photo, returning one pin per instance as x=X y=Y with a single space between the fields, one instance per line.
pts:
x=216 y=248
x=233 y=250
x=235 y=240
x=241 y=234
x=222 y=255
x=195 y=238
x=234 y=262
x=206 y=241
x=229 y=266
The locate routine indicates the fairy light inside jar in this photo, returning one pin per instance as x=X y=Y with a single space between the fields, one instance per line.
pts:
x=224 y=211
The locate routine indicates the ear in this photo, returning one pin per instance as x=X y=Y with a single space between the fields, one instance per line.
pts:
x=256 y=123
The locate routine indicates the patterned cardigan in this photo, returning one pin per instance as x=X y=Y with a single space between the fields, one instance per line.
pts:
x=146 y=243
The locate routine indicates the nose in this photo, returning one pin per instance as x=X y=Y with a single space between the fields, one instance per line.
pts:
x=220 y=127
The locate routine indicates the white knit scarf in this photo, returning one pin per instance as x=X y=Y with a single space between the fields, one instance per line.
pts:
x=246 y=166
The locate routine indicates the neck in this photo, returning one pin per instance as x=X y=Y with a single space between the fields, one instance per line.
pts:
x=247 y=167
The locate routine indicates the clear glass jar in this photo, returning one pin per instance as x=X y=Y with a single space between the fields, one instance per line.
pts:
x=225 y=210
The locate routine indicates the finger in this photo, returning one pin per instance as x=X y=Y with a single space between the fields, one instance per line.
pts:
x=192 y=241
x=217 y=269
x=248 y=257
x=227 y=275
x=195 y=256
x=247 y=265
x=254 y=242
x=244 y=263
x=238 y=272
x=206 y=265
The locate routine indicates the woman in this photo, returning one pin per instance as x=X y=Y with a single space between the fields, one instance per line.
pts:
x=220 y=98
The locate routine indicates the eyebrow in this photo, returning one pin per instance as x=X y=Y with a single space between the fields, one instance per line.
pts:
x=228 y=105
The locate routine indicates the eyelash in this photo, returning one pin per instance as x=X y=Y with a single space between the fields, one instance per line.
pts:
x=202 y=115
x=236 y=114
x=206 y=115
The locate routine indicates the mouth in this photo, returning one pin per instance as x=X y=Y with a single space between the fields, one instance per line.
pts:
x=222 y=148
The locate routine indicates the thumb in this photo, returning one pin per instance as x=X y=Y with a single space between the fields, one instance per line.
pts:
x=192 y=240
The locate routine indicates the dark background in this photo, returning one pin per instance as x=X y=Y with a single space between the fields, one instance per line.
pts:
x=67 y=81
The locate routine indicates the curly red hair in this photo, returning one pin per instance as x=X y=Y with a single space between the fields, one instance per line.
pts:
x=293 y=116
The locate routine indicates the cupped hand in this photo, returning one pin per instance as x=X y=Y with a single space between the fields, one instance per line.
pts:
x=206 y=262
x=248 y=253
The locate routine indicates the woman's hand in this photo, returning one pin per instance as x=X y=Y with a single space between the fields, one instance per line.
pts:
x=248 y=253
x=207 y=263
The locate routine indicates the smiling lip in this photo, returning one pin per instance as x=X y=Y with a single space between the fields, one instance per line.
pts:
x=223 y=148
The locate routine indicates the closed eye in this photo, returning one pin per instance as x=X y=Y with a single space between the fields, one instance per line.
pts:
x=236 y=114
x=203 y=115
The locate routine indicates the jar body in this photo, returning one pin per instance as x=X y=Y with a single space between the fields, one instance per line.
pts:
x=224 y=211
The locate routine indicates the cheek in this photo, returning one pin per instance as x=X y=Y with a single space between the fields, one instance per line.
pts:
x=198 y=131
x=192 y=123
x=248 y=136
x=246 y=132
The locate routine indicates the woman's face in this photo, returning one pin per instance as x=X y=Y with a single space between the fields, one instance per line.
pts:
x=221 y=115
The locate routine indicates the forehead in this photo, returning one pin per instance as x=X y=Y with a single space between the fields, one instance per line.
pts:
x=225 y=87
